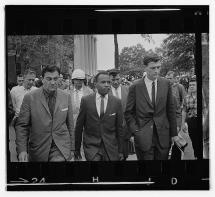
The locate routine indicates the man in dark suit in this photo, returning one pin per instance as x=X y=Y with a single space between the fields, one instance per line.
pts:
x=150 y=113
x=100 y=120
x=121 y=92
x=44 y=129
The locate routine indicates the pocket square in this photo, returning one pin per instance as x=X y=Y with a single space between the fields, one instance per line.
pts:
x=65 y=109
x=112 y=114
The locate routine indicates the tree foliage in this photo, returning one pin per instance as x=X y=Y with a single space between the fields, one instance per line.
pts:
x=37 y=50
x=132 y=57
x=179 y=51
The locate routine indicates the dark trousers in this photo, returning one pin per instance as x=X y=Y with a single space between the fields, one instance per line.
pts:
x=156 y=152
x=176 y=153
x=101 y=155
x=195 y=136
x=55 y=155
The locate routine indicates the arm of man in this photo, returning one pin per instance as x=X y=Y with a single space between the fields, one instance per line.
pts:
x=182 y=94
x=13 y=98
x=22 y=128
x=11 y=112
x=120 y=130
x=130 y=111
x=184 y=114
x=80 y=123
x=171 y=112
x=70 y=123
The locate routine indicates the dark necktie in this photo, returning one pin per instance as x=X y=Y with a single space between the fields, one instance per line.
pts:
x=153 y=94
x=51 y=103
x=102 y=110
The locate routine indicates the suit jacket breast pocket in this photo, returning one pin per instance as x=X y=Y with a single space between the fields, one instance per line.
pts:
x=62 y=111
x=111 y=119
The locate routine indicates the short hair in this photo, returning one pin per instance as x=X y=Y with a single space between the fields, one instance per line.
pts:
x=170 y=72
x=100 y=73
x=29 y=72
x=50 y=68
x=113 y=72
x=193 y=79
x=152 y=58
x=20 y=75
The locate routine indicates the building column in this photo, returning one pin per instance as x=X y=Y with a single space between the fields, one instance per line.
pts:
x=93 y=55
x=95 y=49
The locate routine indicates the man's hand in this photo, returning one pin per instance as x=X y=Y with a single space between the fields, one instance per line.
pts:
x=184 y=128
x=23 y=156
x=71 y=156
x=77 y=155
x=132 y=139
x=175 y=139
x=13 y=122
x=121 y=157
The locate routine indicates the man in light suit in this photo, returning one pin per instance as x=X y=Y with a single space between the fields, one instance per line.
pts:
x=44 y=130
x=100 y=120
x=150 y=113
x=121 y=92
x=77 y=91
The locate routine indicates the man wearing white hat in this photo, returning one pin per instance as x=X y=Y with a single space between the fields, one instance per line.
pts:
x=78 y=90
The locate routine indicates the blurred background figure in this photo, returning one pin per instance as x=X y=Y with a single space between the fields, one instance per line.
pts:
x=121 y=92
x=19 y=82
x=179 y=93
x=77 y=91
x=17 y=95
x=61 y=83
x=189 y=115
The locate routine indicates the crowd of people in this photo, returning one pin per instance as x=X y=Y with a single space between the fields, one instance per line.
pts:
x=56 y=119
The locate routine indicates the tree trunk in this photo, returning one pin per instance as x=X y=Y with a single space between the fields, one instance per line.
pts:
x=116 y=52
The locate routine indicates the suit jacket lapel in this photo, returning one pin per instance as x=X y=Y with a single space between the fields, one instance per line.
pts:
x=146 y=94
x=107 y=111
x=43 y=101
x=58 y=101
x=159 y=91
x=93 y=97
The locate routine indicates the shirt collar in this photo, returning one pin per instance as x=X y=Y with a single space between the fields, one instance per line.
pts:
x=115 y=88
x=98 y=96
x=47 y=94
x=149 y=80
x=25 y=88
x=76 y=90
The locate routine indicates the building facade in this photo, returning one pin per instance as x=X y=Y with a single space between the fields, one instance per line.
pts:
x=85 y=54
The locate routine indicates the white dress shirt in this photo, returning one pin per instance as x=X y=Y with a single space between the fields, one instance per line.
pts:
x=98 y=102
x=17 y=95
x=78 y=94
x=148 y=83
x=119 y=90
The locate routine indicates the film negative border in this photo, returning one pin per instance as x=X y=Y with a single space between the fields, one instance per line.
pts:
x=28 y=20
x=129 y=175
x=147 y=175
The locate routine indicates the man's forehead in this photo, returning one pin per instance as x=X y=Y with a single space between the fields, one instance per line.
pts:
x=103 y=78
x=154 y=64
x=30 y=75
x=115 y=76
x=51 y=74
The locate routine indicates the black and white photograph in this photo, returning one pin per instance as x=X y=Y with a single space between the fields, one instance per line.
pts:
x=85 y=98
